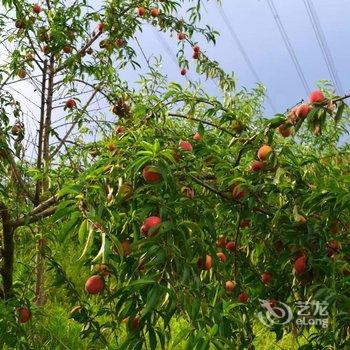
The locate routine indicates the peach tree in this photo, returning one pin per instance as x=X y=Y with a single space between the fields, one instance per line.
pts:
x=188 y=207
x=196 y=208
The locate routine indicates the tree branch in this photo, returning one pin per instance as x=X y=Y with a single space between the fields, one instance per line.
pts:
x=210 y=188
x=33 y=217
x=64 y=139
x=44 y=205
x=240 y=153
x=17 y=174
x=176 y=115
x=82 y=49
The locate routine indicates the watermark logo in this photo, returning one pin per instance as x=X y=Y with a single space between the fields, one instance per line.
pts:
x=274 y=313
x=307 y=313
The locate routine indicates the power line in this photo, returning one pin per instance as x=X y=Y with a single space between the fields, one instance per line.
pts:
x=243 y=52
x=322 y=42
x=289 y=46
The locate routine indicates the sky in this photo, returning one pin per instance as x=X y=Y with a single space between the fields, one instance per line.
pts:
x=254 y=25
x=256 y=29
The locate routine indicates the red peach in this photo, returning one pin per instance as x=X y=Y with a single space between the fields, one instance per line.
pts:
x=221 y=256
x=207 y=265
x=231 y=245
x=300 y=264
x=70 y=103
x=195 y=55
x=196 y=48
x=239 y=192
x=151 y=174
x=181 y=36
x=197 y=136
x=150 y=226
x=24 y=315
x=316 y=96
x=185 y=146
x=243 y=297
x=95 y=284
x=140 y=11
x=256 y=165
x=222 y=241
x=101 y=27
x=154 y=12
x=36 y=8
x=230 y=286
x=126 y=247
x=264 y=151
x=284 y=130
x=303 y=110
x=266 y=277
x=118 y=129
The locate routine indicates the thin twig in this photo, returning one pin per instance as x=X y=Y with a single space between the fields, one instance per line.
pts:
x=64 y=139
x=176 y=115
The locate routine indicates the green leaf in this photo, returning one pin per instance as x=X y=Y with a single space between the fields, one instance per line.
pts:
x=161 y=338
x=153 y=298
x=139 y=284
x=63 y=209
x=340 y=111
x=88 y=242
x=82 y=231
x=277 y=121
x=180 y=337
x=201 y=129
x=152 y=339
x=70 y=225
x=70 y=189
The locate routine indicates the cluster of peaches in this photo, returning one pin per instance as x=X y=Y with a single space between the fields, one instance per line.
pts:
x=68 y=49
x=300 y=112
x=154 y=12
x=150 y=226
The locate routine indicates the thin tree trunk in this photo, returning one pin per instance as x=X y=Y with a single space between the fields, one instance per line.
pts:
x=45 y=127
x=41 y=133
x=40 y=273
x=7 y=252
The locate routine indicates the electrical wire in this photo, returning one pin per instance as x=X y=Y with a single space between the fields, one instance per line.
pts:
x=322 y=42
x=288 y=45
x=243 y=52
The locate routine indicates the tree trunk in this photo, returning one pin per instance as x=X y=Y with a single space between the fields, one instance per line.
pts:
x=40 y=273
x=7 y=252
x=45 y=127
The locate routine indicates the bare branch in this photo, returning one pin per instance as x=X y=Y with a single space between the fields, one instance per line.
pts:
x=202 y=121
x=18 y=177
x=64 y=139
x=31 y=218
x=210 y=188
x=44 y=205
